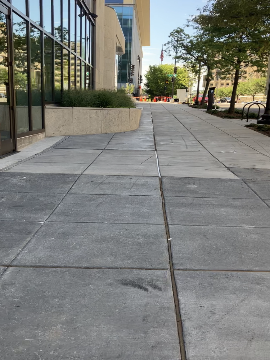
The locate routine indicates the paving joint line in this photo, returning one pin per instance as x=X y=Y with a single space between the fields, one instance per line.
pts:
x=8 y=266
x=179 y=321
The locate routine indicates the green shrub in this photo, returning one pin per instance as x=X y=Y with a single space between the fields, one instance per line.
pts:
x=96 y=99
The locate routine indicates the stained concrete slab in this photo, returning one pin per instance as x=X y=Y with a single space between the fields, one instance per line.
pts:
x=262 y=188
x=87 y=314
x=91 y=142
x=217 y=211
x=225 y=315
x=97 y=245
x=27 y=206
x=220 y=248
x=252 y=174
x=49 y=168
x=109 y=209
x=190 y=171
x=36 y=183
x=117 y=185
x=105 y=168
x=13 y=236
x=62 y=155
x=2 y=269
x=198 y=187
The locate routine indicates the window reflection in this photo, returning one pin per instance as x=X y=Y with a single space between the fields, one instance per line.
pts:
x=35 y=41
x=83 y=35
x=4 y=81
x=65 y=22
x=65 y=68
x=83 y=75
x=72 y=25
x=20 y=73
x=57 y=71
x=47 y=16
x=34 y=10
x=48 y=68
x=57 y=20
x=20 y=5
x=72 y=72
x=78 y=33
x=78 y=74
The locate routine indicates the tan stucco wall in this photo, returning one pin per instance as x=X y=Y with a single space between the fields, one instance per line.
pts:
x=82 y=121
x=108 y=33
x=112 y=35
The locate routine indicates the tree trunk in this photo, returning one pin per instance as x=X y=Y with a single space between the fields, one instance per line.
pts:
x=236 y=81
x=208 y=79
x=198 y=86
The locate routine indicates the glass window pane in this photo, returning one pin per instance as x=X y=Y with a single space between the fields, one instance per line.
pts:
x=20 y=5
x=34 y=10
x=48 y=68
x=78 y=75
x=78 y=30
x=47 y=16
x=35 y=40
x=65 y=68
x=4 y=82
x=20 y=73
x=87 y=41
x=83 y=75
x=57 y=71
x=57 y=20
x=72 y=25
x=72 y=72
x=83 y=35
x=65 y=22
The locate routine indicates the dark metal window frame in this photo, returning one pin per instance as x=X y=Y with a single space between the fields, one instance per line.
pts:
x=78 y=57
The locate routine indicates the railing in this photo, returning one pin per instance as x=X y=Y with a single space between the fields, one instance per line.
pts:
x=259 y=104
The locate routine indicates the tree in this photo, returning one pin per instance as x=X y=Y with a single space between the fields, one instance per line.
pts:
x=240 y=29
x=129 y=89
x=157 y=76
x=255 y=86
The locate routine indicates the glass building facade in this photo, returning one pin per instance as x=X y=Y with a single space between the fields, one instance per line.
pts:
x=46 y=46
x=125 y=15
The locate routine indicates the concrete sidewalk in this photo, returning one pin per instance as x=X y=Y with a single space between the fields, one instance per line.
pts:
x=86 y=267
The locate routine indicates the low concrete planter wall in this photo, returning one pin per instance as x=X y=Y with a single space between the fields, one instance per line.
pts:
x=61 y=121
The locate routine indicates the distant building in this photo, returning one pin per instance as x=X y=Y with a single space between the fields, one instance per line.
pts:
x=134 y=17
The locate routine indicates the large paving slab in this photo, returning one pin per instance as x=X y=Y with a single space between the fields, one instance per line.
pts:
x=90 y=142
x=13 y=236
x=217 y=211
x=262 y=188
x=50 y=168
x=27 y=206
x=109 y=209
x=97 y=245
x=118 y=185
x=198 y=187
x=72 y=156
x=87 y=314
x=105 y=168
x=220 y=248
x=225 y=315
x=36 y=183
x=252 y=174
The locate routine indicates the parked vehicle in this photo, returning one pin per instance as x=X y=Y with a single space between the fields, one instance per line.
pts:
x=225 y=100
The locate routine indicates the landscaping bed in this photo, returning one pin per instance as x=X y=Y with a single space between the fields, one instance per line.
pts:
x=262 y=129
x=224 y=114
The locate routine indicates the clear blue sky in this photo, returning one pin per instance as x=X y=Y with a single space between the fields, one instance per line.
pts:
x=167 y=15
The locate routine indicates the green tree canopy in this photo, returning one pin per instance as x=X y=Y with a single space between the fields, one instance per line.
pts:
x=240 y=29
x=157 y=75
